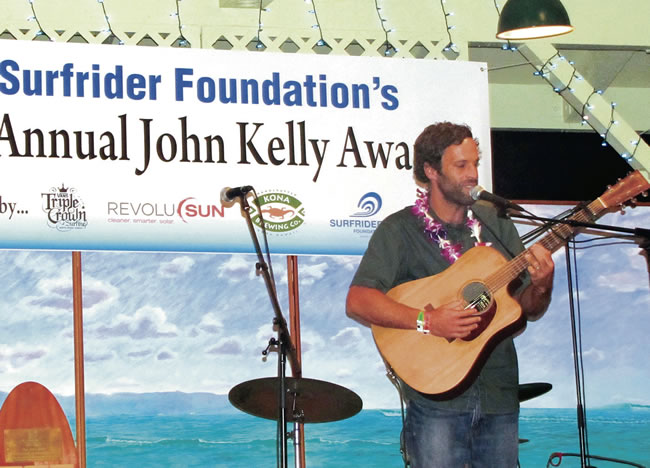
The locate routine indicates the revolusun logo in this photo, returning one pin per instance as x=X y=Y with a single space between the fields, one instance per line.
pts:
x=282 y=212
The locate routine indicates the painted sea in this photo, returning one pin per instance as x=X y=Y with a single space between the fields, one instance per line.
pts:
x=368 y=439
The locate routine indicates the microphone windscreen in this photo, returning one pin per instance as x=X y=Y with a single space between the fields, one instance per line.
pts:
x=476 y=192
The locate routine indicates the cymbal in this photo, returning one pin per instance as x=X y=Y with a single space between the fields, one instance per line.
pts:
x=532 y=390
x=307 y=400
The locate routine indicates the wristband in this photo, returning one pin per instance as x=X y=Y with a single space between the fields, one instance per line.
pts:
x=420 y=324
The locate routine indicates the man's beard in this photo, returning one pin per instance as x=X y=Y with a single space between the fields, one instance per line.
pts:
x=457 y=192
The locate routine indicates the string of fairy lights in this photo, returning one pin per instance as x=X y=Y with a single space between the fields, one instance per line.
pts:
x=451 y=45
x=109 y=28
x=321 y=41
x=34 y=17
x=544 y=72
x=182 y=41
x=260 y=26
x=389 y=49
x=637 y=142
x=388 y=46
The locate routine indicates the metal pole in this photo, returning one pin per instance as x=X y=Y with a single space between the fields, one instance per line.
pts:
x=285 y=344
x=577 y=359
x=282 y=403
x=294 y=322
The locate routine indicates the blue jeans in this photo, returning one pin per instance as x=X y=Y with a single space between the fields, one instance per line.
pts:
x=442 y=438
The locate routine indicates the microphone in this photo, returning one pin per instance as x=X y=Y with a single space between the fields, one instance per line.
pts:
x=479 y=193
x=229 y=194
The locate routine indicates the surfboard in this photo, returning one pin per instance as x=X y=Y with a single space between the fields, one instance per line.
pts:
x=34 y=430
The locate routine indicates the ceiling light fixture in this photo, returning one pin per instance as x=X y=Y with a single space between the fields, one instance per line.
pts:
x=533 y=19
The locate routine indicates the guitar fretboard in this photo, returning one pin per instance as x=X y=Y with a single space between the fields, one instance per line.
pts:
x=559 y=235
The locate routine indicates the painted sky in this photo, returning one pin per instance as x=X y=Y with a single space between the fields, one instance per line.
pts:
x=165 y=322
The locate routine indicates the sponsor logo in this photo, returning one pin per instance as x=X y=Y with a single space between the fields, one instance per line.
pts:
x=187 y=210
x=10 y=209
x=281 y=212
x=64 y=208
x=140 y=212
x=369 y=205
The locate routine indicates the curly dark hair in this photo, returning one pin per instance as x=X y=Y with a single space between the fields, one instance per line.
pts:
x=432 y=143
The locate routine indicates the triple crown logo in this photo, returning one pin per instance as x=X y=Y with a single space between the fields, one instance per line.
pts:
x=281 y=212
x=64 y=208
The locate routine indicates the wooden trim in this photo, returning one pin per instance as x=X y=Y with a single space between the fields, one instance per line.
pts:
x=294 y=321
x=80 y=402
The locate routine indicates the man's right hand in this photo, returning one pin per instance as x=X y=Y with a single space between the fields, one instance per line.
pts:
x=451 y=320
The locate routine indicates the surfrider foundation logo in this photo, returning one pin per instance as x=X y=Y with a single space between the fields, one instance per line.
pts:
x=282 y=212
x=369 y=205
x=64 y=208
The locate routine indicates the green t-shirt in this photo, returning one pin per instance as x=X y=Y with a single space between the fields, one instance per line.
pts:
x=400 y=251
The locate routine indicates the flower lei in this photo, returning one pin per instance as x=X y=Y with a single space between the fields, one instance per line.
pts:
x=436 y=232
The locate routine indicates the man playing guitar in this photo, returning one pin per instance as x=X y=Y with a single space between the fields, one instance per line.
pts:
x=475 y=423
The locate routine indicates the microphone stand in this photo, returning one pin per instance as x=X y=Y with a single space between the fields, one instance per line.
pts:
x=283 y=343
x=644 y=235
x=645 y=246
x=636 y=232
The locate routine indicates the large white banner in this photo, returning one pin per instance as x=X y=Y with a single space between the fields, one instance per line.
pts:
x=128 y=148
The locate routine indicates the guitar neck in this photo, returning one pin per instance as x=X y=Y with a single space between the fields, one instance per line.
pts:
x=556 y=238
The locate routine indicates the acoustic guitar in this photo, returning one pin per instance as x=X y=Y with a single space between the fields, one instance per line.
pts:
x=444 y=368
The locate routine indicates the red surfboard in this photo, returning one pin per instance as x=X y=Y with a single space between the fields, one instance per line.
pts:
x=34 y=429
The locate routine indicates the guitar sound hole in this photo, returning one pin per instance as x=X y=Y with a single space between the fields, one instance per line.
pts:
x=478 y=296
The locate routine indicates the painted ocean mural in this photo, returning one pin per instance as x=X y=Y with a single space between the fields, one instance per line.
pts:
x=166 y=336
x=203 y=430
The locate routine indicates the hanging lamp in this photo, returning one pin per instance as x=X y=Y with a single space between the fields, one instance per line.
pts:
x=533 y=19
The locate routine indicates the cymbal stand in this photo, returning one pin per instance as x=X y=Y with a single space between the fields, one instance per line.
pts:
x=282 y=402
x=283 y=344
x=298 y=417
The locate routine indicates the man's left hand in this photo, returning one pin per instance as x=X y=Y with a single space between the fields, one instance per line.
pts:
x=540 y=267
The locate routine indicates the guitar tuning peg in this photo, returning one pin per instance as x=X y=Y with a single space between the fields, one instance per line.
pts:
x=632 y=203
x=644 y=193
x=622 y=209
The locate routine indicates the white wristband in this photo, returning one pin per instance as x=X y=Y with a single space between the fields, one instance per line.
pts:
x=420 y=324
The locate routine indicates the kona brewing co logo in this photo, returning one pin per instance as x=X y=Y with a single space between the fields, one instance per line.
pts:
x=282 y=212
x=64 y=208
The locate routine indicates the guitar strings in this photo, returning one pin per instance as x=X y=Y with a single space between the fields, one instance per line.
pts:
x=552 y=241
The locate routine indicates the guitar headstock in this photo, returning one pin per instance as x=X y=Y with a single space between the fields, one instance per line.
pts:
x=625 y=189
